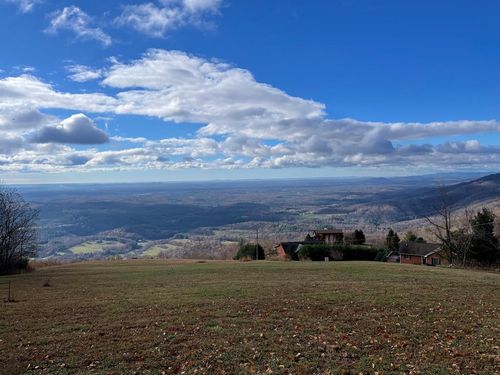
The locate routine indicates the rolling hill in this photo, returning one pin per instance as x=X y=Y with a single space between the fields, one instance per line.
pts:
x=419 y=202
x=210 y=215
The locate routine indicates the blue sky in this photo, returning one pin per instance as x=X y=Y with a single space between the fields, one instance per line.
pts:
x=200 y=89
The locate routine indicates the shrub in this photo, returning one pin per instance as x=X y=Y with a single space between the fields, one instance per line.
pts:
x=356 y=252
x=345 y=252
x=314 y=252
x=247 y=251
x=381 y=255
x=22 y=264
x=16 y=265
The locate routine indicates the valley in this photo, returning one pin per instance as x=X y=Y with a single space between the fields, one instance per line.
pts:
x=208 y=219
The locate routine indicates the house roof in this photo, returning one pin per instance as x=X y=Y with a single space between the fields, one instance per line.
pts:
x=290 y=247
x=418 y=248
x=329 y=231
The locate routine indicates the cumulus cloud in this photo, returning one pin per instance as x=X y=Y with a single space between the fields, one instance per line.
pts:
x=27 y=90
x=10 y=143
x=156 y=19
x=243 y=123
x=77 y=129
x=82 y=73
x=179 y=87
x=472 y=146
x=22 y=117
x=80 y=23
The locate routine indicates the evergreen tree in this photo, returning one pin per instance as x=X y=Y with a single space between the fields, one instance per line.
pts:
x=484 y=247
x=412 y=237
x=392 y=240
x=359 y=237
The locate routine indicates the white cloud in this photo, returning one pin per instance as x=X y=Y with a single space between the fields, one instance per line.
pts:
x=82 y=73
x=149 y=18
x=178 y=154
x=472 y=146
x=157 y=19
x=19 y=118
x=24 y=6
x=243 y=124
x=200 y=5
x=25 y=69
x=178 y=87
x=10 y=143
x=27 y=90
x=77 y=129
x=77 y=21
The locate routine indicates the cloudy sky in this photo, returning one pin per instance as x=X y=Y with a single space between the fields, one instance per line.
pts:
x=199 y=89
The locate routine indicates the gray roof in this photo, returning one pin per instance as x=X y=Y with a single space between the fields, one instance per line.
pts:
x=418 y=248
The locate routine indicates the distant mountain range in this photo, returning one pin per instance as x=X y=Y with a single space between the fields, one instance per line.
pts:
x=422 y=201
x=132 y=219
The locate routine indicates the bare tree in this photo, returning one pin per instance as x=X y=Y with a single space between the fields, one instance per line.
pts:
x=442 y=224
x=463 y=238
x=18 y=239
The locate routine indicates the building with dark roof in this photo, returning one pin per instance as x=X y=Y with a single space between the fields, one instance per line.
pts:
x=328 y=236
x=422 y=253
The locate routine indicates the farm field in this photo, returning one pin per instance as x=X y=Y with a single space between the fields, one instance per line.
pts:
x=90 y=247
x=149 y=316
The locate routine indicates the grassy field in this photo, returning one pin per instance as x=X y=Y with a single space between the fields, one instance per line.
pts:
x=90 y=247
x=149 y=316
x=155 y=250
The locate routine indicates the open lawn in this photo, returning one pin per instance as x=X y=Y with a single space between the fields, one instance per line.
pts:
x=145 y=316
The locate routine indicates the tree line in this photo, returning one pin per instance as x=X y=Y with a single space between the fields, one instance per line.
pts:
x=469 y=240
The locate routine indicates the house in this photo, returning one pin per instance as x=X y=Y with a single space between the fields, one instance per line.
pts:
x=430 y=254
x=288 y=250
x=328 y=236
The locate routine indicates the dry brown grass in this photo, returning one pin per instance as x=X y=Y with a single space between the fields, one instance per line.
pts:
x=39 y=264
x=149 y=316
